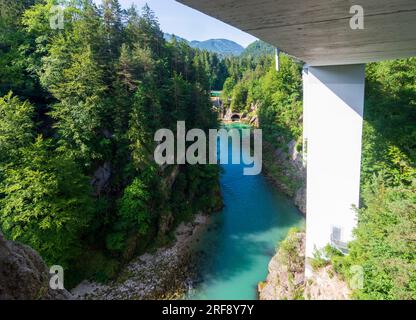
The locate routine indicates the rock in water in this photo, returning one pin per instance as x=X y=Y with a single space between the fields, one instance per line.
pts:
x=24 y=275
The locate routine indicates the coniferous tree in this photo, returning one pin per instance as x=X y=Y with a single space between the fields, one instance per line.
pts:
x=86 y=193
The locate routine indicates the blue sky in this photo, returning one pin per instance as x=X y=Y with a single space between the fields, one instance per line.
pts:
x=188 y=23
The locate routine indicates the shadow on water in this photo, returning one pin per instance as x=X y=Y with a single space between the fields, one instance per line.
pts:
x=234 y=253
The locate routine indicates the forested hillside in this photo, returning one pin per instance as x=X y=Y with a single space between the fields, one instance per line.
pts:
x=385 y=244
x=79 y=108
x=258 y=49
x=386 y=233
x=276 y=97
x=224 y=48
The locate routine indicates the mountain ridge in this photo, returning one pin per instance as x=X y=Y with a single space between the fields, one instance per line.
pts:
x=223 y=47
x=228 y=48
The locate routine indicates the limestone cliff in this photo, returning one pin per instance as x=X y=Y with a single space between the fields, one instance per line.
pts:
x=24 y=275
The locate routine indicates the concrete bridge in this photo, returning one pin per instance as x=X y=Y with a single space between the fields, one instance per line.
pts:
x=225 y=114
x=236 y=117
x=233 y=117
x=335 y=39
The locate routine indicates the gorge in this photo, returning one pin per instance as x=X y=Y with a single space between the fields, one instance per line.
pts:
x=241 y=239
x=79 y=187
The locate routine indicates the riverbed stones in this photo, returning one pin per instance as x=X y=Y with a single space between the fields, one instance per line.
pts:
x=164 y=274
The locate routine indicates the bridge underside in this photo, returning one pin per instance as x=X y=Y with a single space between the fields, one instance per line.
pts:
x=318 y=32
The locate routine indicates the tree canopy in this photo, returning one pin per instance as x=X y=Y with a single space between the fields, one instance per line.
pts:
x=78 y=110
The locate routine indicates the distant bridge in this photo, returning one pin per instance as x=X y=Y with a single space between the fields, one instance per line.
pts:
x=236 y=117
x=233 y=117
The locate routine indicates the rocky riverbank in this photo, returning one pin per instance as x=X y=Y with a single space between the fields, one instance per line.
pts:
x=165 y=274
x=286 y=280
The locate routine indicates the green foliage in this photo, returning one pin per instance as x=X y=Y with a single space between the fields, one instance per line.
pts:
x=277 y=95
x=45 y=202
x=214 y=67
x=239 y=97
x=92 y=264
x=98 y=90
x=227 y=90
x=16 y=126
x=257 y=49
x=319 y=260
x=288 y=256
x=289 y=248
x=44 y=198
x=385 y=236
x=143 y=122
x=386 y=242
x=389 y=130
x=328 y=255
x=133 y=206
x=15 y=65
x=79 y=114
x=281 y=114
x=179 y=203
x=203 y=186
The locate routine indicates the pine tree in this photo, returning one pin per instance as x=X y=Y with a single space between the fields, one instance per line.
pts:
x=112 y=28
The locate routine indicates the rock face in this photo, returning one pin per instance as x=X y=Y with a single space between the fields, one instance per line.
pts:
x=24 y=275
x=286 y=271
x=296 y=161
x=285 y=168
x=286 y=281
x=300 y=199
x=326 y=285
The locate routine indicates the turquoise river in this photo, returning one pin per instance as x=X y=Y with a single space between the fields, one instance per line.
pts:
x=235 y=251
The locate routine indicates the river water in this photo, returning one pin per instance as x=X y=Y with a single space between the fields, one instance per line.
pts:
x=235 y=251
